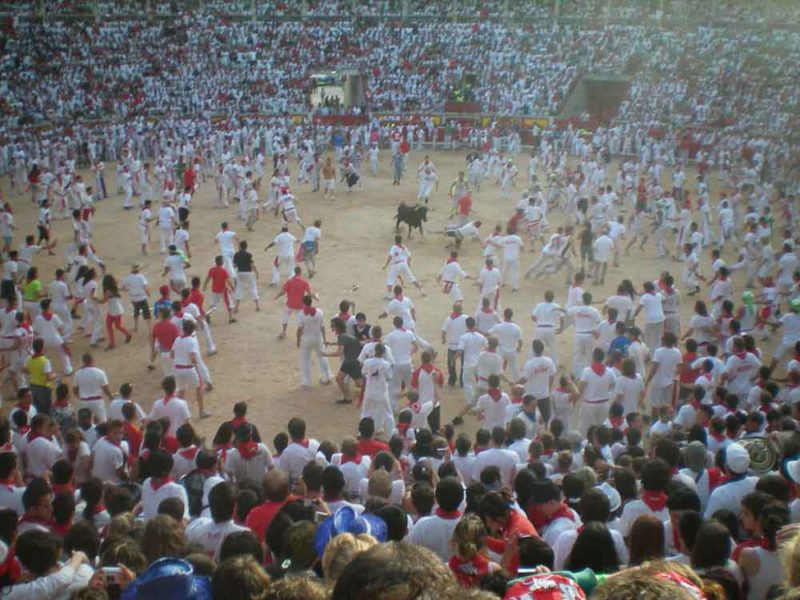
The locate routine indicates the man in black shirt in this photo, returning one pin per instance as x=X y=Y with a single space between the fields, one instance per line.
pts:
x=348 y=348
x=246 y=276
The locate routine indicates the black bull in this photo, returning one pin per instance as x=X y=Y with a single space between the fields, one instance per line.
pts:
x=413 y=216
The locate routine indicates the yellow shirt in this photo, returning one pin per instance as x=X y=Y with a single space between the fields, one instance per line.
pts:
x=39 y=367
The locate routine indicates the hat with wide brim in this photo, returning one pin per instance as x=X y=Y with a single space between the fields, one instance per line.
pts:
x=347 y=520
x=169 y=579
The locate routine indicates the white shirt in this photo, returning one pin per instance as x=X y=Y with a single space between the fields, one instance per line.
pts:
x=630 y=388
x=434 y=533
x=183 y=348
x=537 y=373
x=401 y=342
x=175 y=264
x=210 y=535
x=586 y=318
x=40 y=454
x=377 y=372
x=505 y=460
x=668 y=360
x=453 y=329
x=623 y=304
x=175 y=408
x=312 y=327
x=490 y=280
x=59 y=292
x=151 y=497
x=598 y=387
x=107 y=458
x=284 y=242
x=603 y=246
x=90 y=382
x=248 y=470
x=471 y=344
x=226 y=239
x=401 y=307
x=494 y=411
x=546 y=314
x=166 y=217
x=653 y=311
x=296 y=456
x=135 y=284
x=635 y=509
x=512 y=244
x=399 y=255
x=312 y=234
x=508 y=335
x=729 y=495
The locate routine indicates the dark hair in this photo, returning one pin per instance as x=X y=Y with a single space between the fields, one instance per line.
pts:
x=241 y=543
x=712 y=546
x=646 y=540
x=656 y=474
x=83 y=536
x=449 y=494
x=92 y=495
x=689 y=524
x=396 y=522
x=594 y=505
x=534 y=551
x=38 y=551
x=422 y=497
x=594 y=549
x=221 y=501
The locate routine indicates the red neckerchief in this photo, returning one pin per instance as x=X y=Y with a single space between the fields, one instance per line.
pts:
x=112 y=442
x=697 y=405
x=740 y=355
x=450 y=515
x=451 y=260
x=427 y=367
x=23 y=430
x=27 y=518
x=563 y=512
x=616 y=422
x=487 y=309
x=32 y=435
x=402 y=428
x=455 y=315
x=11 y=483
x=303 y=442
x=309 y=310
x=495 y=394
x=247 y=450
x=655 y=501
x=356 y=459
x=599 y=369
x=167 y=398
x=158 y=485
x=344 y=316
x=237 y=422
x=58 y=488
x=47 y=315
x=98 y=509
x=62 y=528
x=760 y=542
x=719 y=437
x=188 y=453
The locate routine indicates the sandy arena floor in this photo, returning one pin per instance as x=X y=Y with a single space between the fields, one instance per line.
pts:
x=358 y=228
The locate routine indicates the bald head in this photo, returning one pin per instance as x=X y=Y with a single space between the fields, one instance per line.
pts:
x=276 y=486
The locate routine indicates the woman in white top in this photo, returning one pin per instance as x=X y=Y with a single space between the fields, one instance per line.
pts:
x=702 y=326
x=93 y=316
x=629 y=389
x=759 y=560
x=115 y=310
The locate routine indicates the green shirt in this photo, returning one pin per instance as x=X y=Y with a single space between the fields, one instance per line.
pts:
x=32 y=291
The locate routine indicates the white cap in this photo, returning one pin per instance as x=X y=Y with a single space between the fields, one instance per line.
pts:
x=793 y=470
x=737 y=458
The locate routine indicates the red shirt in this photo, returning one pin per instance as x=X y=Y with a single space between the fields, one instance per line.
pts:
x=196 y=297
x=371 y=447
x=464 y=205
x=261 y=516
x=296 y=288
x=189 y=177
x=165 y=332
x=134 y=436
x=219 y=277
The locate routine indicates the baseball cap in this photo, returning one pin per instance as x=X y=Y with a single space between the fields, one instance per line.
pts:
x=347 y=520
x=737 y=458
x=793 y=470
x=547 y=586
x=169 y=579
x=614 y=499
